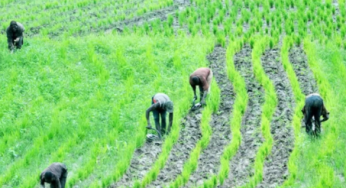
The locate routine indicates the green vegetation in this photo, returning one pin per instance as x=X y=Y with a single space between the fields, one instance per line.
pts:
x=78 y=89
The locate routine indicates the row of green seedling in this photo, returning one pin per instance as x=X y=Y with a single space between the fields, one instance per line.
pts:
x=268 y=109
x=239 y=109
x=191 y=164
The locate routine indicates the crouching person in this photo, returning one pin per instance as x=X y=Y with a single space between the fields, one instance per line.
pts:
x=312 y=110
x=202 y=78
x=160 y=105
x=55 y=175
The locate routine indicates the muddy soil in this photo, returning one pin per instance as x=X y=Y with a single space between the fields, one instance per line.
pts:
x=142 y=160
x=241 y=166
x=303 y=72
x=189 y=135
x=209 y=160
x=145 y=157
x=275 y=167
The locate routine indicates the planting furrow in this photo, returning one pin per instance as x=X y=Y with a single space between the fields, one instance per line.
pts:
x=301 y=67
x=141 y=162
x=209 y=160
x=189 y=135
x=242 y=163
x=275 y=167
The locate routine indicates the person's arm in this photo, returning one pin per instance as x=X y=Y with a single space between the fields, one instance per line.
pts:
x=41 y=181
x=9 y=39
x=170 y=122
x=325 y=114
x=151 y=108
x=194 y=92
x=205 y=86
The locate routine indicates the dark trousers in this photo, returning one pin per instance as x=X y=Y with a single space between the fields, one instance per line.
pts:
x=313 y=108
x=157 y=113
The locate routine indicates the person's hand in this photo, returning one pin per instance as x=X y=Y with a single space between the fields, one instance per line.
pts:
x=16 y=40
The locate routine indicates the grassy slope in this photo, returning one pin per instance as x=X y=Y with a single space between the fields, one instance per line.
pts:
x=321 y=162
x=69 y=90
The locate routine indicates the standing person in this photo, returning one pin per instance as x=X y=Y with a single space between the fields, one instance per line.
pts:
x=160 y=104
x=55 y=175
x=202 y=78
x=15 y=35
x=312 y=110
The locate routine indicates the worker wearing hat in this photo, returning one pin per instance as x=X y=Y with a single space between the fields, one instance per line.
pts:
x=160 y=105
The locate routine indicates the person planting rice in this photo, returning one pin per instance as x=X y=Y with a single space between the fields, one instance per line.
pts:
x=55 y=175
x=15 y=35
x=202 y=78
x=312 y=110
x=160 y=105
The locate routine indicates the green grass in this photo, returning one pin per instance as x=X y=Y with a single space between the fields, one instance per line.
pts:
x=64 y=97
x=76 y=95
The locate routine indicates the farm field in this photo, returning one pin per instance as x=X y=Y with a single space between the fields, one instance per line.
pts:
x=78 y=90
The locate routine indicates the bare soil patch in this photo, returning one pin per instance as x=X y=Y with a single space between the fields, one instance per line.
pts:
x=241 y=166
x=303 y=72
x=209 y=160
x=275 y=167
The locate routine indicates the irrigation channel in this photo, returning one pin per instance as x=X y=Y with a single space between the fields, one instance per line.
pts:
x=209 y=160
x=275 y=169
x=241 y=166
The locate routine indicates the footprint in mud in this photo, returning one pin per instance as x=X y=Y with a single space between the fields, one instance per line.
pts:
x=209 y=160
x=275 y=169
x=241 y=166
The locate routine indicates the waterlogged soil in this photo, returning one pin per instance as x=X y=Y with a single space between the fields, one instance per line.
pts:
x=275 y=167
x=209 y=160
x=242 y=164
x=306 y=79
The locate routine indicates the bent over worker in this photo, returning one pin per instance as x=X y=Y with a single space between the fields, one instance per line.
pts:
x=160 y=104
x=312 y=110
x=55 y=175
x=14 y=34
x=202 y=78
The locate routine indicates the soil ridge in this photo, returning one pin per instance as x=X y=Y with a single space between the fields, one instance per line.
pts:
x=209 y=160
x=275 y=169
x=241 y=166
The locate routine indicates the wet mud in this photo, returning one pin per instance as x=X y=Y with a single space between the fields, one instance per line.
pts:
x=145 y=157
x=305 y=77
x=275 y=167
x=241 y=166
x=209 y=160
x=141 y=163
x=189 y=135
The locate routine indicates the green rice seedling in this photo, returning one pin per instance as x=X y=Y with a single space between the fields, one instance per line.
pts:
x=268 y=110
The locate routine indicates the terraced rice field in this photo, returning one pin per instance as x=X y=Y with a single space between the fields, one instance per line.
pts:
x=78 y=89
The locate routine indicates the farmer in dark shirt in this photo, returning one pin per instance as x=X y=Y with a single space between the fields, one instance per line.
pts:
x=55 y=175
x=160 y=104
x=312 y=110
x=202 y=78
x=15 y=35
